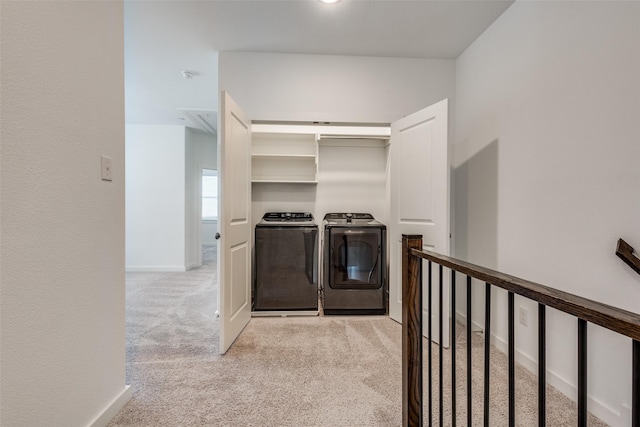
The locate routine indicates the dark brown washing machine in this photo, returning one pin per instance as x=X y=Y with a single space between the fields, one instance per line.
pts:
x=354 y=264
x=286 y=264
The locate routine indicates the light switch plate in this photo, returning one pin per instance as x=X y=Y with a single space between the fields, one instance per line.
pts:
x=105 y=167
x=524 y=316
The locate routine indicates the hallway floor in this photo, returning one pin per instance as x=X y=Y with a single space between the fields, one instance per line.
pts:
x=295 y=371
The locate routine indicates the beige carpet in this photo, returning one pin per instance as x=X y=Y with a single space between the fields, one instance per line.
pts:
x=319 y=371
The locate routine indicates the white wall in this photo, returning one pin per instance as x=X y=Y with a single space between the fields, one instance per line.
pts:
x=208 y=232
x=333 y=88
x=62 y=360
x=547 y=175
x=352 y=178
x=201 y=153
x=192 y=193
x=284 y=87
x=164 y=174
x=155 y=198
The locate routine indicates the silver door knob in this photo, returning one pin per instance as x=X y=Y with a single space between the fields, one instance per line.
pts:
x=217 y=236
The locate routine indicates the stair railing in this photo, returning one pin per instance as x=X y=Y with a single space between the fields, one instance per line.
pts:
x=625 y=253
x=585 y=310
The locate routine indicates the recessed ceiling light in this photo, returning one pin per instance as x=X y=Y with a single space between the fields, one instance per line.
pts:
x=329 y=1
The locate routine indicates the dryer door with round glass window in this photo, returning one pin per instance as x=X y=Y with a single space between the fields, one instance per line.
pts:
x=355 y=259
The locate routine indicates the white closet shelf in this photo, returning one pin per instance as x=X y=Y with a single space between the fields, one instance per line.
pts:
x=284 y=180
x=285 y=156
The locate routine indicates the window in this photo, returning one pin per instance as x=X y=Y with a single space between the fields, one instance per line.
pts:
x=209 y=194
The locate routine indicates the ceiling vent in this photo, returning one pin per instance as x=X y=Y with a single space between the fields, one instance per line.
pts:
x=205 y=120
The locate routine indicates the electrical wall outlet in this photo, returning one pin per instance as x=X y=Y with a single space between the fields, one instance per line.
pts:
x=105 y=167
x=524 y=316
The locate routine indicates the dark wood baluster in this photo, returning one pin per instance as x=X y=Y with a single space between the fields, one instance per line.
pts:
x=512 y=362
x=430 y=354
x=542 y=366
x=582 y=373
x=635 y=393
x=487 y=350
x=440 y=337
x=469 y=348
x=453 y=348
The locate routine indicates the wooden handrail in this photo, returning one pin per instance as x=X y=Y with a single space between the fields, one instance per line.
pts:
x=585 y=310
x=625 y=253
x=618 y=320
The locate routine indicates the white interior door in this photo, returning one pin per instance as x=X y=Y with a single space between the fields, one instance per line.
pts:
x=234 y=244
x=419 y=196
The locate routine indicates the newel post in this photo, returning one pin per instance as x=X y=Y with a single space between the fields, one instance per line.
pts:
x=411 y=332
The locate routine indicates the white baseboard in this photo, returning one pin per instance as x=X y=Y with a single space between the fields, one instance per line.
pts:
x=625 y=415
x=154 y=269
x=192 y=266
x=284 y=313
x=112 y=409
x=607 y=414
x=462 y=318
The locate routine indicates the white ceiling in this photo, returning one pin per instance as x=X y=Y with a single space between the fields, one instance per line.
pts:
x=163 y=38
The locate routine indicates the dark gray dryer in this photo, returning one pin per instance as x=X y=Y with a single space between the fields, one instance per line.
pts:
x=286 y=264
x=354 y=264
